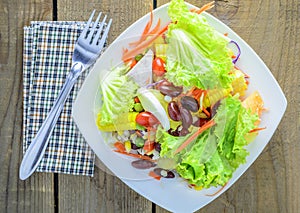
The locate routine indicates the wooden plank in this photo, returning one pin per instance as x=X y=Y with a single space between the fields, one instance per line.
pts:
x=103 y=192
x=123 y=12
x=272 y=29
x=35 y=193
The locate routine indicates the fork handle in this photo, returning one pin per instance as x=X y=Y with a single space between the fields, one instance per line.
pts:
x=37 y=147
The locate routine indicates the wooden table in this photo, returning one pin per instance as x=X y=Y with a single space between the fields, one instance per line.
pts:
x=271 y=184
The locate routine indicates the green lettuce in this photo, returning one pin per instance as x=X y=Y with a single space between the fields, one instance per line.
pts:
x=118 y=93
x=169 y=143
x=233 y=123
x=214 y=155
x=197 y=54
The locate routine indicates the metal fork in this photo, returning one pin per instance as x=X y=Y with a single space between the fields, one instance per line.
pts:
x=87 y=49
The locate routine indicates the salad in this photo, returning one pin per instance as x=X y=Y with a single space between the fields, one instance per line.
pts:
x=177 y=105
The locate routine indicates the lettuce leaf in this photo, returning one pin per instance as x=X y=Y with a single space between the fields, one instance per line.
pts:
x=233 y=123
x=197 y=54
x=216 y=153
x=118 y=93
x=169 y=143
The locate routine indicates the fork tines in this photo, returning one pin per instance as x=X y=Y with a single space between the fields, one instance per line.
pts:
x=95 y=30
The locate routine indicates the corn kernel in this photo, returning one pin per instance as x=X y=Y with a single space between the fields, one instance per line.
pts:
x=198 y=188
x=127 y=145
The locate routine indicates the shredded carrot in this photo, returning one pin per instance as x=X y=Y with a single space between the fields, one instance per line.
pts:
x=217 y=192
x=257 y=129
x=191 y=91
x=132 y=63
x=143 y=45
x=144 y=157
x=156 y=28
x=149 y=24
x=198 y=92
x=146 y=29
x=205 y=7
x=119 y=146
x=198 y=132
x=206 y=112
x=138 y=133
x=154 y=175
x=144 y=36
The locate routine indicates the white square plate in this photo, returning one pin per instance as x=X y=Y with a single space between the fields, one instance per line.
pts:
x=174 y=195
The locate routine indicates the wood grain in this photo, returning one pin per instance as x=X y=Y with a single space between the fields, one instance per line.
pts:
x=271 y=184
x=271 y=28
x=37 y=192
x=103 y=193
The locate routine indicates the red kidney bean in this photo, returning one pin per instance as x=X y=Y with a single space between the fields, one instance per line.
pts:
x=157 y=147
x=189 y=103
x=142 y=164
x=134 y=147
x=169 y=89
x=173 y=111
x=184 y=132
x=200 y=122
x=173 y=132
x=170 y=174
x=160 y=171
x=186 y=118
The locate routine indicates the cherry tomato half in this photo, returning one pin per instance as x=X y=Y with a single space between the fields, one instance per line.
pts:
x=146 y=119
x=158 y=66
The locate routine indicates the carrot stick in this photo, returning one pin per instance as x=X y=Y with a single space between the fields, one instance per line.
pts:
x=119 y=146
x=257 y=129
x=206 y=112
x=145 y=31
x=191 y=91
x=198 y=132
x=144 y=36
x=131 y=53
x=154 y=175
x=196 y=92
x=156 y=28
x=149 y=24
x=205 y=7
x=135 y=155
x=215 y=193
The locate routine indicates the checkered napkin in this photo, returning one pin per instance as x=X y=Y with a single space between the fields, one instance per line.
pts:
x=47 y=57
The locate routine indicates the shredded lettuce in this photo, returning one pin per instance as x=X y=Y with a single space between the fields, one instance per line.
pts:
x=197 y=54
x=118 y=93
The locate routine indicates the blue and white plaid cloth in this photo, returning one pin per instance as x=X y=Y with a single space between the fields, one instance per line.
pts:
x=47 y=57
